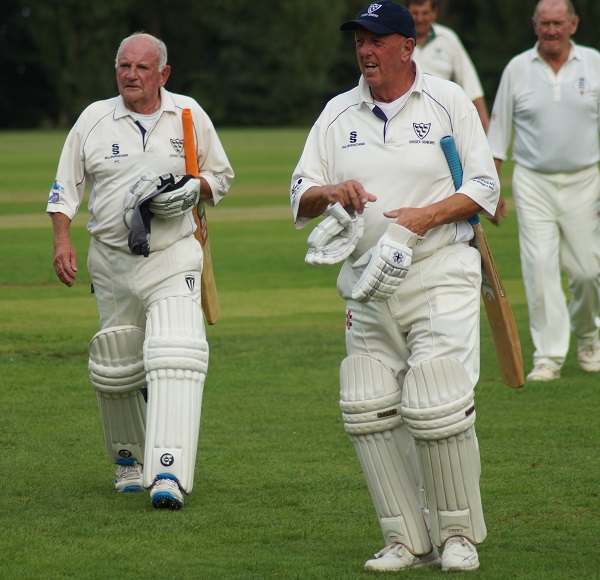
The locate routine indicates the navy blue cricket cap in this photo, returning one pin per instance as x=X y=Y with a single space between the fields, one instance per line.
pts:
x=384 y=17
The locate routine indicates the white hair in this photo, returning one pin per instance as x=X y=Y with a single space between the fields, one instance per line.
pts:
x=568 y=4
x=160 y=46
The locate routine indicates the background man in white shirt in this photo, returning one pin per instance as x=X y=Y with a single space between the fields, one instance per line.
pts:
x=550 y=96
x=411 y=282
x=440 y=52
x=152 y=330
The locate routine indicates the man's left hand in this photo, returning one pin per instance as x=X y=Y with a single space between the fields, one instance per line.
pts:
x=417 y=220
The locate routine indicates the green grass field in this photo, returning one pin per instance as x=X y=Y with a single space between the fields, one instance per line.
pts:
x=278 y=492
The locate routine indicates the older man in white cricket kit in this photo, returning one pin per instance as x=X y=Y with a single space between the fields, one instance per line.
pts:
x=145 y=266
x=373 y=164
x=550 y=96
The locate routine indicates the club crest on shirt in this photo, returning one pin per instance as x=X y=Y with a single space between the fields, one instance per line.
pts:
x=421 y=129
x=581 y=86
x=177 y=145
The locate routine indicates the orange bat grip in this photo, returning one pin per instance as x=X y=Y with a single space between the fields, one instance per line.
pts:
x=189 y=143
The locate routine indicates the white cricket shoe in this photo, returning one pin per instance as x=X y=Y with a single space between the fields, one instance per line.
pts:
x=459 y=555
x=397 y=557
x=166 y=493
x=588 y=356
x=544 y=372
x=129 y=476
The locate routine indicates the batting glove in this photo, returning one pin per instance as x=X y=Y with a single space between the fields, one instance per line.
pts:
x=335 y=238
x=166 y=195
x=386 y=265
x=177 y=196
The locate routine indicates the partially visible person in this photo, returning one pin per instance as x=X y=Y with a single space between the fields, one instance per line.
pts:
x=145 y=266
x=440 y=52
x=411 y=281
x=550 y=97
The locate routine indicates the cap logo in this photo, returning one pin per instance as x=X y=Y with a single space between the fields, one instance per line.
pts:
x=373 y=8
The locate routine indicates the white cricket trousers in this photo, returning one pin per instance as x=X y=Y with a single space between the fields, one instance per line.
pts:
x=126 y=285
x=435 y=313
x=559 y=230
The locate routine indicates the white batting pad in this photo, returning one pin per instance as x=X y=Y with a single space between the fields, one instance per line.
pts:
x=370 y=404
x=335 y=237
x=439 y=412
x=176 y=357
x=117 y=373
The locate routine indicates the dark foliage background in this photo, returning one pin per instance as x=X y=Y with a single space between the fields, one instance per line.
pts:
x=248 y=62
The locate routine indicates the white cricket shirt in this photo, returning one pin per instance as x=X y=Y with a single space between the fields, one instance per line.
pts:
x=444 y=56
x=400 y=160
x=555 y=116
x=107 y=148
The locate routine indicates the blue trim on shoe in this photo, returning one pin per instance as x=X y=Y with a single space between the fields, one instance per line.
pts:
x=168 y=476
x=164 y=499
x=132 y=488
x=131 y=461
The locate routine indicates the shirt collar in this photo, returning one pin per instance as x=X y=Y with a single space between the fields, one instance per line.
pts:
x=430 y=36
x=166 y=104
x=366 y=99
x=574 y=52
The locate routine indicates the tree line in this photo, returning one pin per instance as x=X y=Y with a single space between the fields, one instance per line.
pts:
x=248 y=62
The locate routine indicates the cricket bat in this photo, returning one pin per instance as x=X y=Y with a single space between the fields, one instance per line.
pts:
x=500 y=317
x=210 y=298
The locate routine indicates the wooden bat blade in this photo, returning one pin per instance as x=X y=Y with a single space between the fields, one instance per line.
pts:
x=208 y=286
x=210 y=298
x=500 y=316
x=497 y=307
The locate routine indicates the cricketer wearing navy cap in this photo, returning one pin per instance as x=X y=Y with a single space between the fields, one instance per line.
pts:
x=384 y=18
x=373 y=167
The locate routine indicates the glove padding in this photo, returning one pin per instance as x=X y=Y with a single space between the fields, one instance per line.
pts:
x=335 y=238
x=165 y=196
x=386 y=265
x=177 y=198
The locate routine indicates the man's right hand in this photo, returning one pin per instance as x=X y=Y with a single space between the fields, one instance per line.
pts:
x=65 y=256
x=350 y=194
x=65 y=262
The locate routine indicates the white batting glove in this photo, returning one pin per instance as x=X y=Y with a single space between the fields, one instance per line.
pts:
x=335 y=237
x=147 y=183
x=167 y=195
x=178 y=195
x=386 y=265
